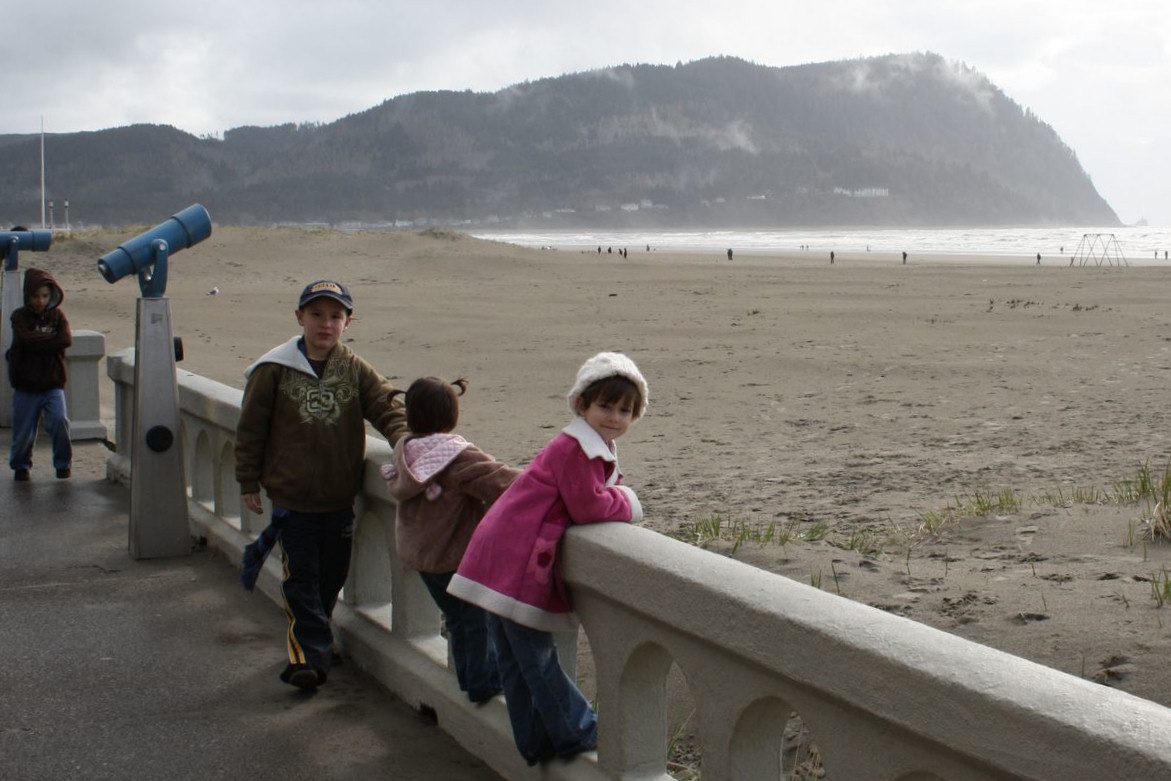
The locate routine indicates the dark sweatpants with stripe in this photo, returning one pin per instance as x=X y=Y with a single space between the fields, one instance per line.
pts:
x=316 y=549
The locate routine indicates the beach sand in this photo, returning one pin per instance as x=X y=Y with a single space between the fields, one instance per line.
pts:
x=845 y=406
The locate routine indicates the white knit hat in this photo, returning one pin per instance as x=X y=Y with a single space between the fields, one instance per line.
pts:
x=605 y=365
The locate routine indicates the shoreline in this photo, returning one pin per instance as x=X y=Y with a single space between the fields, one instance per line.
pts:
x=1135 y=243
x=814 y=257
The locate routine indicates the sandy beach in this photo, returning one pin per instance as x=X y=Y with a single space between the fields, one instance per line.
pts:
x=951 y=440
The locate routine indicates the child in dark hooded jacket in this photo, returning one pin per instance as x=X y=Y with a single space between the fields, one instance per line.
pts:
x=443 y=484
x=36 y=370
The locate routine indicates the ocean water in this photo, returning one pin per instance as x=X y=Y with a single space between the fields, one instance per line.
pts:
x=1134 y=245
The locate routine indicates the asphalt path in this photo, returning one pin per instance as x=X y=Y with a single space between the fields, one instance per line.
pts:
x=112 y=668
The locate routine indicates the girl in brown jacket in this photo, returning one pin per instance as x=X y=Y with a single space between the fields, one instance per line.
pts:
x=443 y=484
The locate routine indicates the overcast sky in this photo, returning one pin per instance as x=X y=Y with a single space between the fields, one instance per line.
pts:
x=1098 y=71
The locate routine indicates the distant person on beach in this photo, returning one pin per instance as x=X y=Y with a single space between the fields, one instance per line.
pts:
x=831 y=257
x=443 y=484
x=512 y=567
x=37 y=373
x=729 y=253
x=1038 y=258
x=904 y=257
x=302 y=436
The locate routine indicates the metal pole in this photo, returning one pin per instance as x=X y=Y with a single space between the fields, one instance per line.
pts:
x=42 y=172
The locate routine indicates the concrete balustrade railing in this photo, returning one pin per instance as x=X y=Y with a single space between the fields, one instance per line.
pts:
x=885 y=698
x=82 y=391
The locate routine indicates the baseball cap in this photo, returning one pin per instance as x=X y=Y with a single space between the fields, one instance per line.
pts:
x=327 y=288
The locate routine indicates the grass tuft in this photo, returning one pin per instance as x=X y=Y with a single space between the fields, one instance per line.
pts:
x=1158 y=527
x=710 y=528
x=1146 y=486
x=1161 y=588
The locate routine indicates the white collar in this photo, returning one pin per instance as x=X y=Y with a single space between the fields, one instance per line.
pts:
x=286 y=354
x=591 y=441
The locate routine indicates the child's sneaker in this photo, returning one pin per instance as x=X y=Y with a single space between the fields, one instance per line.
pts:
x=20 y=475
x=302 y=676
x=64 y=474
x=487 y=695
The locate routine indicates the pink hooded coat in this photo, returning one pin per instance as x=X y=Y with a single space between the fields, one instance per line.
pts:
x=512 y=565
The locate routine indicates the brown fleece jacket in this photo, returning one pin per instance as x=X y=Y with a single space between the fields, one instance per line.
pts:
x=304 y=438
x=438 y=510
x=36 y=360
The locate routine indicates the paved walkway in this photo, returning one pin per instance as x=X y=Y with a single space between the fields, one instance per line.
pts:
x=112 y=668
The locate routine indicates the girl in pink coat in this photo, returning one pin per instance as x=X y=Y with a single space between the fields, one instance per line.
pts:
x=511 y=567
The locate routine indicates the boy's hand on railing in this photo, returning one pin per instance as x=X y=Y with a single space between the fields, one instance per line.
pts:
x=252 y=502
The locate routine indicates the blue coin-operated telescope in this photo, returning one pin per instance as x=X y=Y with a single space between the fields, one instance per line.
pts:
x=18 y=239
x=146 y=254
x=12 y=291
x=158 y=485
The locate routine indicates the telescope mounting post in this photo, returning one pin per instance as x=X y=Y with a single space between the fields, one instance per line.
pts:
x=158 y=484
x=159 y=524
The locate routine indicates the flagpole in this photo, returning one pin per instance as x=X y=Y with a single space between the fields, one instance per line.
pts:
x=42 y=171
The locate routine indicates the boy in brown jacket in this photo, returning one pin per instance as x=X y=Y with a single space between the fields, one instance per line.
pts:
x=302 y=436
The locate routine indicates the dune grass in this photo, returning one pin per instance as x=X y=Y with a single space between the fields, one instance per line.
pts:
x=709 y=528
x=1147 y=488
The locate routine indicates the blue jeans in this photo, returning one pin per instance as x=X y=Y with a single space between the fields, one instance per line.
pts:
x=549 y=714
x=27 y=410
x=471 y=647
x=316 y=548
